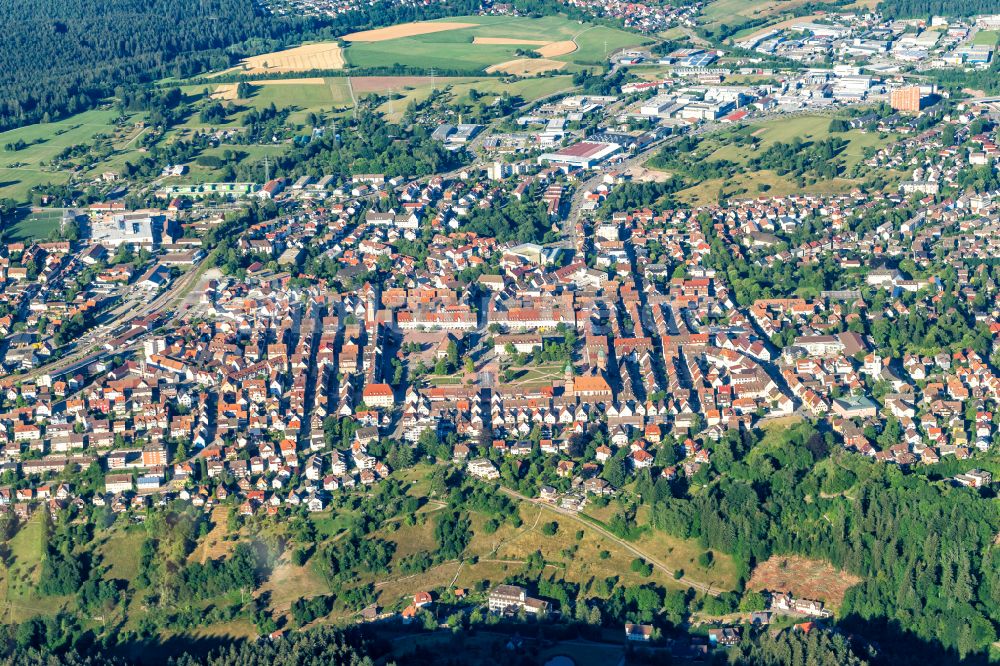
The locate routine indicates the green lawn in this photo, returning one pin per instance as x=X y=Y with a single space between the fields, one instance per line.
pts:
x=20 y=170
x=986 y=38
x=35 y=226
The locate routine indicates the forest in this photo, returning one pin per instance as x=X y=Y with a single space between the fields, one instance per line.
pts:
x=61 y=57
x=931 y=581
x=928 y=8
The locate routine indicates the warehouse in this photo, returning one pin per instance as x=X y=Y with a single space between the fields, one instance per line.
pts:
x=584 y=155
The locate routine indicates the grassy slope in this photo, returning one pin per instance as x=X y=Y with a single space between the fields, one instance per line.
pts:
x=52 y=138
x=807 y=128
x=498 y=555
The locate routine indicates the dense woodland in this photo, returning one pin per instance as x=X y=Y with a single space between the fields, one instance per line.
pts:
x=932 y=582
x=928 y=8
x=63 y=56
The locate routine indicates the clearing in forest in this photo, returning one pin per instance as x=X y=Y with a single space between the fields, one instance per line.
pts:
x=804 y=578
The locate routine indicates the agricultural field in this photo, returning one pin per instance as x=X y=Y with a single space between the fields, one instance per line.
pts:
x=480 y=42
x=526 y=66
x=322 y=55
x=804 y=578
x=405 y=30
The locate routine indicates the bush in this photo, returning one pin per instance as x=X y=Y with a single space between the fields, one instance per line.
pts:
x=642 y=567
x=549 y=529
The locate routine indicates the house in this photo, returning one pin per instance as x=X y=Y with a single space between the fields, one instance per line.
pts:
x=378 y=395
x=118 y=483
x=724 y=636
x=642 y=633
x=974 y=478
x=512 y=598
x=503 y=597
x=481 y=468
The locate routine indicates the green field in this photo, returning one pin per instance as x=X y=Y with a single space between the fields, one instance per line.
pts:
x=20 y=170
x=986 y=38
x=454 y=49
x=753 y=183
x=37 y=225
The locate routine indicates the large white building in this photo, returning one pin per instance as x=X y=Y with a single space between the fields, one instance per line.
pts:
x=142 y=228
x=584 y=155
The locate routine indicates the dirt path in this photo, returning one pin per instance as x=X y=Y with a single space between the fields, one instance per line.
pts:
x=214 y=545
x=707 y=589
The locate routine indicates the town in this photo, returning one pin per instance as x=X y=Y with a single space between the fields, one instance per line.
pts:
x=556 y=361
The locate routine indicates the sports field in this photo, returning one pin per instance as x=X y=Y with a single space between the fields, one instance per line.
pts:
x=480 y=42
x=986 y=38
x=36 y=225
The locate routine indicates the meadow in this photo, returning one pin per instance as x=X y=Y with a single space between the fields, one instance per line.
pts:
x=22 y=169
x=810 y=127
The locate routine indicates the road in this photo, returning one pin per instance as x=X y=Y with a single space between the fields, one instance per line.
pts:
x=92 y=343
x=702 y=587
